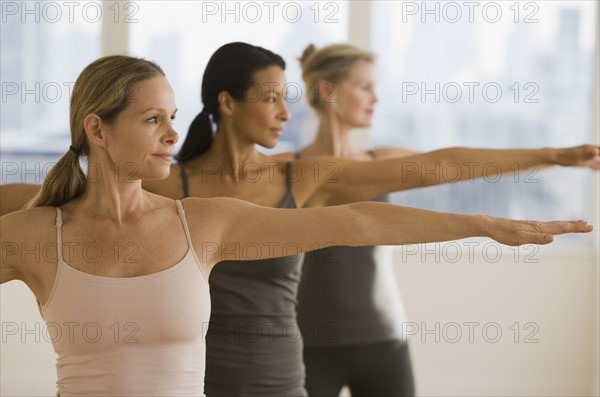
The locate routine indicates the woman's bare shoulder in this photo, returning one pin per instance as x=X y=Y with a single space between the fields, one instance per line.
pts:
x=29 y=224
x=13 y=197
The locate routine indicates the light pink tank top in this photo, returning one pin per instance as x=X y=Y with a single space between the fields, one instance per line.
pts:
x=135 y=336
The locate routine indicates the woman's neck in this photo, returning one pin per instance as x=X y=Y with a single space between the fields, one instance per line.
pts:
x=332 y=139
x=231 y=154
x=122 y=201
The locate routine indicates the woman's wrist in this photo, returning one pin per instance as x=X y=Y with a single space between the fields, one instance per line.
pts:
x=482 y=225
x=549 y=156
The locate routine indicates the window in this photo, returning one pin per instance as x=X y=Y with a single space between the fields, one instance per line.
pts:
x=45 y=45
x=495 y=75
x=183 y=46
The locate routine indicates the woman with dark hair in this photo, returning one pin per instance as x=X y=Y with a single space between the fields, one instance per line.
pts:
x=253 y=343
x=131 y=325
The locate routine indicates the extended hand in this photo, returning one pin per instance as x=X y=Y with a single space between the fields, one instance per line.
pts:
x=511 y=232
x=580 y=156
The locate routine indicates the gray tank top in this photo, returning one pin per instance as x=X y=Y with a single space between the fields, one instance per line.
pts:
x=253 y=344
x=349 y=296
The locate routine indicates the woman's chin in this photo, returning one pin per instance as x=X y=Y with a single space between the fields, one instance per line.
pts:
x=363 y=122
x=157 y=175
x=270 y=144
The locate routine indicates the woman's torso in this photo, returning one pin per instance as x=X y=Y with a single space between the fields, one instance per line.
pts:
x=254 y=346
x=348 y=295
x=119 y=332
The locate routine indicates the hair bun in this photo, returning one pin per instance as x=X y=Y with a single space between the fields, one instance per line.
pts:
x=311 y=49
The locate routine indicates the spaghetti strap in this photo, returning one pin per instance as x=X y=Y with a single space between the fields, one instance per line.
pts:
x=288 y=177
x=288 y=200
x=184 y=180
x=58 y=227
x=202 y=266
x=181 y=213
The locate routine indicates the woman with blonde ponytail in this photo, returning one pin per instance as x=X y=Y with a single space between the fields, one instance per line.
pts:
x=369 y=325
x=127 y=279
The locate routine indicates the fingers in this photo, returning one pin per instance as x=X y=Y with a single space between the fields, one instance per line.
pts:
x=585 y=155
x=543 y=232
x=532 y=232
x=545 y=238
x=592 y=152
x=562 y=227
x=593 y=163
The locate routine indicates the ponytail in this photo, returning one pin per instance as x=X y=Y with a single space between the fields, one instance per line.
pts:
x=65 y=181
x=198 y=139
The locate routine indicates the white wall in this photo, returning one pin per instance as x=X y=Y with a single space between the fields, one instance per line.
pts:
x=558 y=295
x=27 y=359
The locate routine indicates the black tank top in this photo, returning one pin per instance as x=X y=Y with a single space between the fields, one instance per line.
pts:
x=253 y=344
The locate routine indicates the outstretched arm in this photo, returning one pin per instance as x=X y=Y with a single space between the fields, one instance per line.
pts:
x=13 y=197
x=247 y=231
x=354 y=181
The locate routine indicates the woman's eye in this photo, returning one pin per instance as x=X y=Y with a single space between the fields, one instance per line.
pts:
x=172 y=119
x=153 y=119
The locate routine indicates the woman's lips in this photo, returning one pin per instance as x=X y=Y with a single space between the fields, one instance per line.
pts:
x=164 y=156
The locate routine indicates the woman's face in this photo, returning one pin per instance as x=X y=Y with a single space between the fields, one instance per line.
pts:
x=356 y=95
x=261 y=116
x=139 y=142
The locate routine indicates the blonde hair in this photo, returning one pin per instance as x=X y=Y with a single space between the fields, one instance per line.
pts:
x=105 y=87
x=331 y=63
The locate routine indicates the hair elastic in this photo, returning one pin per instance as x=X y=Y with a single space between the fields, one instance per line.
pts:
x=74 y=150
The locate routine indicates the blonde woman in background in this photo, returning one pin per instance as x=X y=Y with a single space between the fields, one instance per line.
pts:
x=350 y=311
x=249 y=351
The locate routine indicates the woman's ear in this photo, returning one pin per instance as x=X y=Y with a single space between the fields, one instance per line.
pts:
x=328 y=91
x=92 y=124
x=226 y=103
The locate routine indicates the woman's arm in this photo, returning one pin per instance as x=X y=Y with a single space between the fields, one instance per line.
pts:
x=349 y=181
x=13 y=197
x=391 y=152
x=240 y=230
x=20 y=241
x=9 y=247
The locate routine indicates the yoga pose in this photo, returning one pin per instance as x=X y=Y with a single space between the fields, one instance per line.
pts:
x=128 y=138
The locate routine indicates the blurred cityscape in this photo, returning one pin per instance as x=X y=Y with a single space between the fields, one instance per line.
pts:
x=550 y=105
